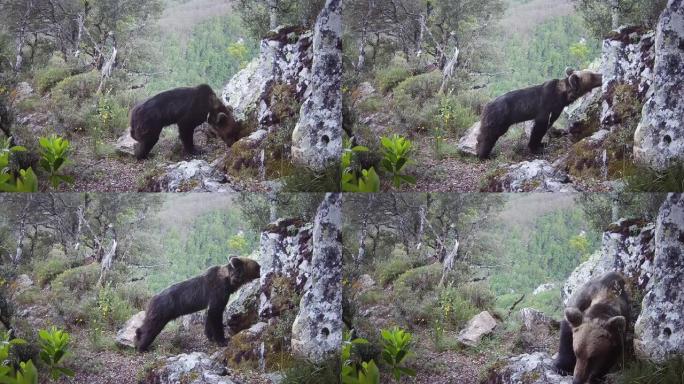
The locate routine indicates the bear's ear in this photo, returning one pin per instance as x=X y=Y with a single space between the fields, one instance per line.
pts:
x=236 y=263
x=573 y=316
x=617 y=324
x=569 y=71
x=574 y=81
x=222 y=118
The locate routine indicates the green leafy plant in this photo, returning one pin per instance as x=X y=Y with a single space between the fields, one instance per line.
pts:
x=395 y=151
x=396 y=348
x=366 y=372
x=54 y=152
x=26 y=374
x=54 y=344
x=355 y=180
x=24 y=181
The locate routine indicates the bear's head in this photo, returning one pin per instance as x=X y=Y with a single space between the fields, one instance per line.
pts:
x=240 y=270
x=223 y=123
x=579 y=83
x=596 y=342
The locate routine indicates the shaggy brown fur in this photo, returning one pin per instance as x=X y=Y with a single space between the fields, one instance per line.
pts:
x=542 y=103
x=211 y=290
x=187 y=107
x=593 y=331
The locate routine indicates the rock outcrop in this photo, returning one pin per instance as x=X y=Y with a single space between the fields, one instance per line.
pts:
x=317 y=329
x=479 y=326
x=627 y=247
x=190 y=176
x=534 y=368
x=530 y=176
x=190 y=368
x=659 y=330
x=317 y=138
x=659 y=139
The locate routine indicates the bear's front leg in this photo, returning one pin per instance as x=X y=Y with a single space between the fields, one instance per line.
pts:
x=565 y=361
x=186 y=133
x=541 y=125
x=213 y=328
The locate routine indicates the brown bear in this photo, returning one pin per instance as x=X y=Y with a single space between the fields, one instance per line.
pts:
x=187 y=107
x=211 y=290
x=542 y=103
x=592 y=335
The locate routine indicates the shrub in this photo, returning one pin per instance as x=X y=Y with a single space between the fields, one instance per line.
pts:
x=51 y=75
x=455 y=310
x=644 y=179
x=479 y=295
x=46 y=270
x=389 y=78
x=415 y=294
x=455 y=117
x=78 y=280
x=354 y=178
x=415 y=101
x=110 y=308
x=25 y=181
x=389 y=269
x=306 y=372
x=645 y=372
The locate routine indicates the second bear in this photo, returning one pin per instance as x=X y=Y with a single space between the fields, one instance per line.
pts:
x=210 y=290
x=593 y=332
x=542 y=103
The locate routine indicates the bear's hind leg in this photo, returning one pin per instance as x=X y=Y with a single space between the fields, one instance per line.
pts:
x=486 y=140
x=565 y=361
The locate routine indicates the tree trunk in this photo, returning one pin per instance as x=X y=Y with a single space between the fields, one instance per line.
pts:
x=615 y=13
x=363 y=235
x=448 y=71
x=272 y=14
x=107 y=262
x=22 y=231
x=449 y=262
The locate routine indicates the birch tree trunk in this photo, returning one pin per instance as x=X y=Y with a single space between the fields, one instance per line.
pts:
x=449 y=262
x=448 y=72
x=272 y=14
x=22 y=231
x=364 y=231
x=107 y=262
x=615 y=13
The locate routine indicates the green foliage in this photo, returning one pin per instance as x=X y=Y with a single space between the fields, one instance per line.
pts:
x=387 y=270
x=597 y=14
x=415 y=101
x=455 y=116
x=54 y=152
x=306 y=372
x=54 y=344
x=645 y=372
x=388 y=78
x=555 y=44
x=356 y=372
x=112 y=310
x=25 y=180
x=255 y=14
x=396 y=349
x=48 y=77
x=216 y=49
x=46 y=270
x=395 y=153
x=645 y=179
x=73 y=101
x=78 y=280
x=353 y=178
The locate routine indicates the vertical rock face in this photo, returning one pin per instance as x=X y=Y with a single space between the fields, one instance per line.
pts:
x=317 y=330
x=286 y=251
x=317 y=138
x=659 y=139
x=627 y=247
x=660 y=327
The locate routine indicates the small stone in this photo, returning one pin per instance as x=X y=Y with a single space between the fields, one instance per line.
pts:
x=468 y=143
x=125 y=144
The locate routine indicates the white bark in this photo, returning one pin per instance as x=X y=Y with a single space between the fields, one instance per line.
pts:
x=448 y=72
x=273 y=14
x=449 y=262
x=22 y=231
x=107 y=262
x=615 y=13
x=107 y=68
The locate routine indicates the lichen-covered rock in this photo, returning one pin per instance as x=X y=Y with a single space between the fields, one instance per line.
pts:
x=242 y=311
x=627 y=247
x=317 y=138
x=627 y=60
x=286 y=250
x=190 y=176
x=659 y=329
x=285 y=57
x=317 y=329
x=188 y=368
x=659 y=139
x=534 y=368
x=479 y=326
x=583 y=115
x=125 y=336
x=530 y=176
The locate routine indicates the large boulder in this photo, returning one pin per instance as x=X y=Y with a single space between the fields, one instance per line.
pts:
x=286 y=248
x=583 y=115
x=317 y=138
x=659 y=329
x=659 y=139
x=534 y=368
x=468 y=143
x=242 y=311
x=125 y=145
x=479 y=326
x=627 y=247
x=125 y=336
x=188 y=368
x=529 y=176
x=317 y=329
